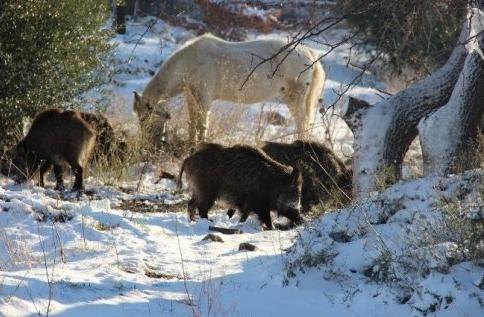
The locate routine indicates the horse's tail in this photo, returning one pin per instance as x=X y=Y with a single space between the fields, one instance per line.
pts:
x=313 y=96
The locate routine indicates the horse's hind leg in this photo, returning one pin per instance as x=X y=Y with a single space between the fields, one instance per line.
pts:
x=299 y=117
x=294 y=98
x=298 y=112
x=202 y=125
x=192 y=129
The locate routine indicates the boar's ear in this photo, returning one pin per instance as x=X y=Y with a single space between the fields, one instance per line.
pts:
x=296 y=177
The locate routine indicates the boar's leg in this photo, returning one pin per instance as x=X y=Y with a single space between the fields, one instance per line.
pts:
x=243 y=208
x=43 y=169
x=191 y=209
x=59 y=177
x=78 y=173
x=265 y=218
x=245 y=215
x=264 y=214
x=231 y=212
x=293 y=215
x=203 y=206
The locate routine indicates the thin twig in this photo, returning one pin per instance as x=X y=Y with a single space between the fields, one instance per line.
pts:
x=150 y=26
x=185 y=285
x=141 y=176
x=49 y=279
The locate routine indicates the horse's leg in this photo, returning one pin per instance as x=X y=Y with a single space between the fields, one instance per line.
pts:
x=294 y=98
x=202 y=124
x=198 y=104
x=297 y=109
x=300 y=118
x=193 y=116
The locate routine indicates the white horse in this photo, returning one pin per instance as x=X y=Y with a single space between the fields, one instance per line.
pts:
x=208 y=68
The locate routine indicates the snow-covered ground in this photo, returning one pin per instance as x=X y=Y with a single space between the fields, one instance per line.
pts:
x=102 y=255
x=120 y=252
x=98 y=256
x=401 y=253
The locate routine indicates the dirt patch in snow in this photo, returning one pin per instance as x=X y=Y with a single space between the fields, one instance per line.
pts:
x=148 y=206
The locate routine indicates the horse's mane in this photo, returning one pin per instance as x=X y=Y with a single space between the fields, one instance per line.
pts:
x=173 y=57
x=197 y=39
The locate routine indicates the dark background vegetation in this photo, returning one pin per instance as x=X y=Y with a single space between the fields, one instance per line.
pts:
x=415 y=35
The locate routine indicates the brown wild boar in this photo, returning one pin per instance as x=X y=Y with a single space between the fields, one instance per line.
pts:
x=108 y=145
x=245 y=178
x=323 y=173
x=55 y=137
x=104 y=132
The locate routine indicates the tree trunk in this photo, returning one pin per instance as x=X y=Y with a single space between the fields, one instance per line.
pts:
x=170 y=7
x=135 y=11
x=448 y=136
x=112 y=6
x=132 y=7
x=383 y=132
x=120 y=24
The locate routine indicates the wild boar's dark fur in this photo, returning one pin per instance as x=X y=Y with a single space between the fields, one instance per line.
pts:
x=323 y=173
x=55 y=137
x=245 y=178
x=107 y=144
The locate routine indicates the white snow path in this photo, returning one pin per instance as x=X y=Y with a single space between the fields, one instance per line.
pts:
x=100 y=270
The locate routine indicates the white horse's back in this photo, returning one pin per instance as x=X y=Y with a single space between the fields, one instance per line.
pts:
x=231 y=63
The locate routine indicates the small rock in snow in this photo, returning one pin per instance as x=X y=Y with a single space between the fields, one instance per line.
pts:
x=247 y=246
x=213 y=237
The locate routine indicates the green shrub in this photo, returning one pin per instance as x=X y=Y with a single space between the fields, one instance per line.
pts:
x=416 y=33
x=51 y=51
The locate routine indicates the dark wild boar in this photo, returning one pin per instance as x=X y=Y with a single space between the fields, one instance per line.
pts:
x=245 y=178
x=108 y=145
x=55 y=137
x=323 y=173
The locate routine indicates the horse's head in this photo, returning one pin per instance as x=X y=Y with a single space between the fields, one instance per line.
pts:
x=152 y=118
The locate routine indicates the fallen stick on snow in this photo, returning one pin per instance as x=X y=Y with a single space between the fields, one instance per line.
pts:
x=225 y=230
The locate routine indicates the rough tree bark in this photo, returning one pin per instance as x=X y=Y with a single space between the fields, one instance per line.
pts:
x=170 y=7
x=383 y=132
x=135 y=10
x=448 y=136
x=120 y=19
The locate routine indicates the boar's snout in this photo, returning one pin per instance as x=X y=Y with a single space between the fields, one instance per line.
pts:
x=23 y=164
x=18 y=172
